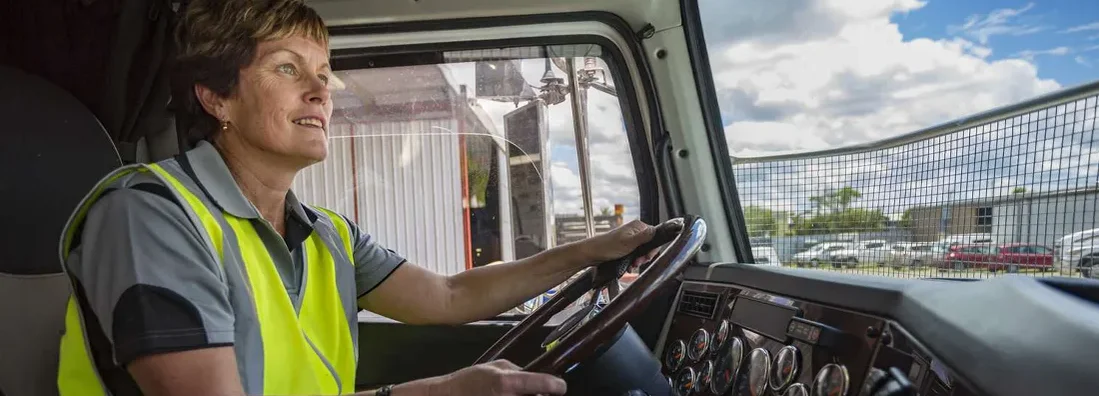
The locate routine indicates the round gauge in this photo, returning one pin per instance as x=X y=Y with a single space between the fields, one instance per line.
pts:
x=796 y=390
x=727 y=367
x=674 y=356
x=705 y=374
x=831 y=380
x=785 y=368
x=686 y=381
x=759 y=364
x=700 y=342
x=717 y=341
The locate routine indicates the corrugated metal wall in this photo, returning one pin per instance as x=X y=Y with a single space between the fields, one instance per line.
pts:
x=408 y=187
x=1044 y=220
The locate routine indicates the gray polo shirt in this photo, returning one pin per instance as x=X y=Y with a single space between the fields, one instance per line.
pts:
x=147 y=283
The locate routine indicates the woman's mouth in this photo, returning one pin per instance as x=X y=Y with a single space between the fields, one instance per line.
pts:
x=310 y=122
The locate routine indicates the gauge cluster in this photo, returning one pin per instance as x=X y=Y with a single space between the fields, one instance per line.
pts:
x=747 y=343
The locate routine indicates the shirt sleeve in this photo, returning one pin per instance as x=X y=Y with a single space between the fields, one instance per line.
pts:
x=373 y=262
x=147 y=278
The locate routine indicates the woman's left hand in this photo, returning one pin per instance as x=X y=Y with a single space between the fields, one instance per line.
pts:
x=618 y=242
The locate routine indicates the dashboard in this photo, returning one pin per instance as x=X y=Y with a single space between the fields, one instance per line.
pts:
x=753 y=331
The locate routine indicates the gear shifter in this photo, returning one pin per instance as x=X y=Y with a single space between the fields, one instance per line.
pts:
x=887 y=383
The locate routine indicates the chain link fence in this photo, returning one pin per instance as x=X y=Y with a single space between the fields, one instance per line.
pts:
x=1013 y=190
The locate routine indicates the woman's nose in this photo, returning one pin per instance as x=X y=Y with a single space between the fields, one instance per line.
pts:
x=319 y=92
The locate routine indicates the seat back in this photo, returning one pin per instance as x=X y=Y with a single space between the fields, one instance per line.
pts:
x=52 y=152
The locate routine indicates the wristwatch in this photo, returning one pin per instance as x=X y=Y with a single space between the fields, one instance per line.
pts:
x=384 y=390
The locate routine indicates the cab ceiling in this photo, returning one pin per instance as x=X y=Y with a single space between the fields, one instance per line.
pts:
x=660 y=13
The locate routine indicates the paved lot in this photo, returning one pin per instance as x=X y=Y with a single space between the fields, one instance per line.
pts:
x=937 y=273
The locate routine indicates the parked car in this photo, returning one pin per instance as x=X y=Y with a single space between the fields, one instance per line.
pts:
x=873 y=251
x=1077 y=252
x=967 y=239
x=766 y=255
x=915 y=255
x=1010 y=256
x=963 y=256
x=1015 y=256
x=820 y=253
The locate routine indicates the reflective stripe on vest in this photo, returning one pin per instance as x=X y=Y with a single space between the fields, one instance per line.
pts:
x=293 y=343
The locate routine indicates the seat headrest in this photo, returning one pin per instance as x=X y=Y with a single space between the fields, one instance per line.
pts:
x=52 y=152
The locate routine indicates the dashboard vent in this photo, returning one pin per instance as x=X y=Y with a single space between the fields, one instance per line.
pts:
x=699 y=304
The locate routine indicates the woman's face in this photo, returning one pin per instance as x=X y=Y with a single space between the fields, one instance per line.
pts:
x=282 y=105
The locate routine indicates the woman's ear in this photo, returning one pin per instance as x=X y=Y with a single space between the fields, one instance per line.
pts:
x=213 y=103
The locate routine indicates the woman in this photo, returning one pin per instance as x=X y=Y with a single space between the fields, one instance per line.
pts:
x=203 y=274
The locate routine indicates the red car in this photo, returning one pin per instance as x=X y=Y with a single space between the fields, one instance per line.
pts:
x=1007 y=256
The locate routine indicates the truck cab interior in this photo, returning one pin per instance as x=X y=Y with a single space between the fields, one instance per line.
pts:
x=427 y=88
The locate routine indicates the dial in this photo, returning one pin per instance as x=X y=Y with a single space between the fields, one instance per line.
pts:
x=759 y=364
x=785 y=368
x=796 y=390
x=700 y=342
x=717 y=341
x=673 y=358
x=831 y=380
x=705 y=374
x=686 y=381
x=728 y=367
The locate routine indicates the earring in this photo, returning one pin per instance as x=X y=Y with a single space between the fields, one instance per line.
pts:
x=225 y=125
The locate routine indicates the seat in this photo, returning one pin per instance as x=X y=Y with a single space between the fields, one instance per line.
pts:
x=53 y=151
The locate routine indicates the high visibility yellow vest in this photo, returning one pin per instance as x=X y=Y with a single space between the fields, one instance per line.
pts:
x=296 y=345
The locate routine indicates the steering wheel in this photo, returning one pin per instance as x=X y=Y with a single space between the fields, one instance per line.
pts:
x=576 y=339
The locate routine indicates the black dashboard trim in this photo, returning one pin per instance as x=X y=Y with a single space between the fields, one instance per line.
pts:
x=1010 y=335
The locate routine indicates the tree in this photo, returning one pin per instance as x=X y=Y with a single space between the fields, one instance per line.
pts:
x=1018 y=190
x=843 y=198
x=906 y=219
x=760 y=221
x=832 y=213
x=606 y=211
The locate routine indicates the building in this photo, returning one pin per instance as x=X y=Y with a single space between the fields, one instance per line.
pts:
x=1041 y=218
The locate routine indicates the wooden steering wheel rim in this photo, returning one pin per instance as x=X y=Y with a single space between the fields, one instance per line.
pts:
x=583 y=341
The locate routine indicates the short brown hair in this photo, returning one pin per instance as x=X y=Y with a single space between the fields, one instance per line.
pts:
x=216 y=39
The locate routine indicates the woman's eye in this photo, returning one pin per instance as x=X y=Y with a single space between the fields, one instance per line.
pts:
x=287 y=68
x=323 y=78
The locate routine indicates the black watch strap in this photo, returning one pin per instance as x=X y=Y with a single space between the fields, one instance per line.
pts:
x=384 y=390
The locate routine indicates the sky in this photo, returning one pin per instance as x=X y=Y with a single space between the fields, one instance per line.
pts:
x=795 y=76
x=1061 y=37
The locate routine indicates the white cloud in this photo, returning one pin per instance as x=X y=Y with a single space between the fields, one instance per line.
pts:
x=1000 y=22
x=1082 y=61
x=859 y=81
x=1030 y=54
x=1083 y=28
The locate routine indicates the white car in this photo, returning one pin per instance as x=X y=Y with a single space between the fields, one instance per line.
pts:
x=873 y=251
x=915 y=254
x=818 y=254
x=1077 y=251
x=765 y=255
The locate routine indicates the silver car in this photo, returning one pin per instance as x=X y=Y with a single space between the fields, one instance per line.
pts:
x=916 y=255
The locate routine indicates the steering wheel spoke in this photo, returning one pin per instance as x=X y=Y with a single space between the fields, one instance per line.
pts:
x=593 y=325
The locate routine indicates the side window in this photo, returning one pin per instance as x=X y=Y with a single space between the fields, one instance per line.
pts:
x=471 y=158
x=875 y=245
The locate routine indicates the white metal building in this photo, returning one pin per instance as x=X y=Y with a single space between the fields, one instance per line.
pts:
x=396 y=163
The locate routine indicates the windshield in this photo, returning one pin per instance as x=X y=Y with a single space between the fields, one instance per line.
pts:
x=459 y=159
x=908 y=122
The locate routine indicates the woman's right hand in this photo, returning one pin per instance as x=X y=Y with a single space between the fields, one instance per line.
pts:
x=497 y=378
